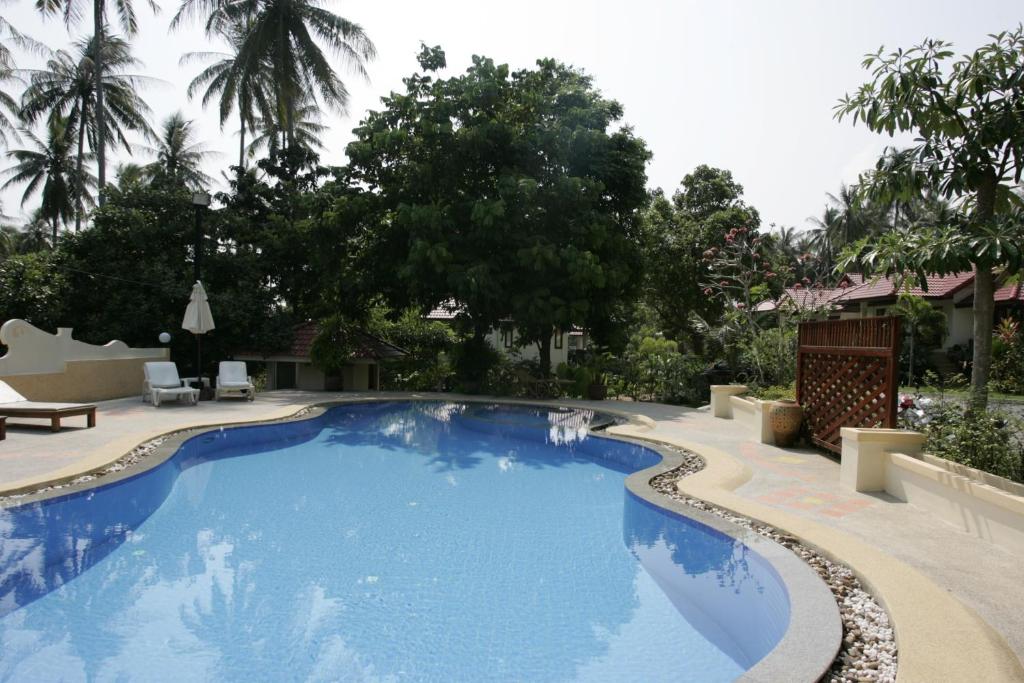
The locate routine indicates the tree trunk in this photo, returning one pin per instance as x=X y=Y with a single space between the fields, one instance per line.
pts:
x=100 y=118
x=984 y=304
x=545 y=355
x=79 y=184
x=53 y=244
x=241 y=143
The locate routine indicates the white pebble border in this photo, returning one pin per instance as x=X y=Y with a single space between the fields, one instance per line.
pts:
x=868 y=650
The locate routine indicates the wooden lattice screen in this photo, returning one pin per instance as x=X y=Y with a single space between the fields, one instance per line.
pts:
x=847 y=375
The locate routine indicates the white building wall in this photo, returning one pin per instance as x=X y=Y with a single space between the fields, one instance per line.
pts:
x=308 y=377
x=961 y=327
x=530 y=352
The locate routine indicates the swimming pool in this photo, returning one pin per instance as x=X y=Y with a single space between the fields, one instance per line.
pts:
x=383 y=541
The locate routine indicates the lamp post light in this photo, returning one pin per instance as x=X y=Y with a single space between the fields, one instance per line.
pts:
x=200 y=200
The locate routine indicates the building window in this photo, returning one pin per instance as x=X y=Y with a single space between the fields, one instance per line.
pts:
x=879 y=312
x=506 y=338
x=558 y=339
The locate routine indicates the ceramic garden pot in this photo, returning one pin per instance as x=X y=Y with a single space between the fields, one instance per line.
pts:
x=597 y=391
x=785 y=417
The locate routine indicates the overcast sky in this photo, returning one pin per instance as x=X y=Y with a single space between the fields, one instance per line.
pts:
x=743 y=85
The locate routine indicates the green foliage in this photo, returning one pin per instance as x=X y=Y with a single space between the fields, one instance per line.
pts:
x=924 y=330
x=334 y=344
x=1008 y=358
x=653 y=369
x=130 y=275
x=512 y=193
x=989 y=440
x=429 y=344
x=521 y=379
x=776 y=392
x=771 y=355
x=969 y=132
x=677 y=232
x=33 y=287
x=473 y=360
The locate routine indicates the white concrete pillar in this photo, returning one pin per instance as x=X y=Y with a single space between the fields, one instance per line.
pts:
x=721 y=406
x=865 y=455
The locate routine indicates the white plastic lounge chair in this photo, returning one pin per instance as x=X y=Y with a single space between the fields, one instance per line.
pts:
x=13 y=404
x=162 y=382
x=232 y=378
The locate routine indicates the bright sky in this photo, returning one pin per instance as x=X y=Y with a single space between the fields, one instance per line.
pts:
x=746 y=85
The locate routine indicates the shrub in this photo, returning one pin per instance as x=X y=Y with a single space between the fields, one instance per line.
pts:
x=1008 y=358
x=776 y=392
x=652 y=368
x=771 y=354
x=989 y=441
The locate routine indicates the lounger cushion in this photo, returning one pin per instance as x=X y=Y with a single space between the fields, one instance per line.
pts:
x=31 y=406
x=162 y=375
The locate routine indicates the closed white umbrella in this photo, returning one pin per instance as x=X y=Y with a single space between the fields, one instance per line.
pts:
x=198 y=320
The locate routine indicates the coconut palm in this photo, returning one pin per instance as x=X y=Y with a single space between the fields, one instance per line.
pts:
x=248 y=93
x=179 y=157
x=128 y=174
x=50 y=167
x=307 y=132
x=66 y=88
x=71 y=11
x=284 y=35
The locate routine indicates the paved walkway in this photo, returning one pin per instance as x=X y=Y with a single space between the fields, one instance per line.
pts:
x=805 y=483
x=983 y=576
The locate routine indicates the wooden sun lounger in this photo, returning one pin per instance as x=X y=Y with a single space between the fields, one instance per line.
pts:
x=54 y=412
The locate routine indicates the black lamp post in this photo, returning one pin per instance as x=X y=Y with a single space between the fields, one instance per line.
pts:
x=200 y=200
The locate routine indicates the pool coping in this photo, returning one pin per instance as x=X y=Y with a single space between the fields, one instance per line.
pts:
x=811 y=639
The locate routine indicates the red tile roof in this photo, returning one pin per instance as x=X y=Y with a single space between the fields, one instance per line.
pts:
x=303 y=334
x=1009 y=293
x=939 y=287
x=870 y=289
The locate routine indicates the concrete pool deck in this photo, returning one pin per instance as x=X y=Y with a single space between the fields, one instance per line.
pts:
x=957 y=601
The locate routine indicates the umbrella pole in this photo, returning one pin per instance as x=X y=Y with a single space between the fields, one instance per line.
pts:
x=199 y=360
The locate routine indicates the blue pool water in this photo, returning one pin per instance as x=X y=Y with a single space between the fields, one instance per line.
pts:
x=382 y=542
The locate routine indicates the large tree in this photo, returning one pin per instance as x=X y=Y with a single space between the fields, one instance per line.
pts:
x=968 y=115
x=513 y=193
x=707 y=205
x=72 y=11
x=49 y=167
x=282 y=38
x=250 y=93
x=65 y=88
x=179 y=156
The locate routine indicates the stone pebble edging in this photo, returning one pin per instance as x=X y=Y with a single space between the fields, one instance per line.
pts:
x=132 y=458
x=868 y=650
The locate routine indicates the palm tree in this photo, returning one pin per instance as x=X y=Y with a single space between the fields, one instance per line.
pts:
x=51 y=168
x=8 y=106
x=179 y=157
x=824 y=235
x=307 y=132
x=284 y=33
x=128 y=174
x=72 y=11
x=33 y=237
x=251 y=94
x=66 y=88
